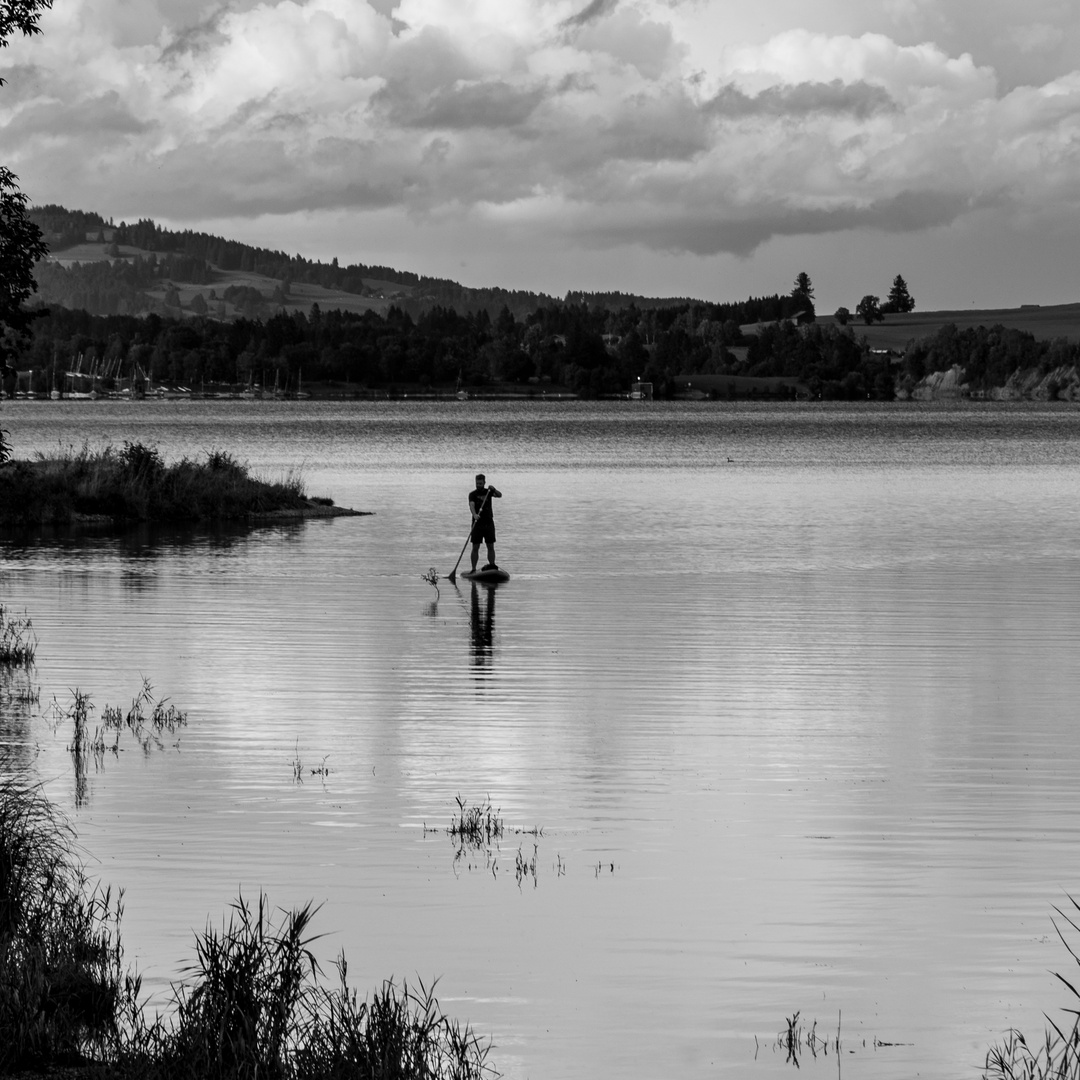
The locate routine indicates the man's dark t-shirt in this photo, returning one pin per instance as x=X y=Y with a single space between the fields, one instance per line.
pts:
x=484 y=529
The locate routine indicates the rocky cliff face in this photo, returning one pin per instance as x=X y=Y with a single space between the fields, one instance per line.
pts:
x=1060 y=384
x=1029 y=384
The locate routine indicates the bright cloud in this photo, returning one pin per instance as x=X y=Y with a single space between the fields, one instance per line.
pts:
x=608 y=122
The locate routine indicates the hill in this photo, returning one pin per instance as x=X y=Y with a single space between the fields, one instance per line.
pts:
x=1045 y=323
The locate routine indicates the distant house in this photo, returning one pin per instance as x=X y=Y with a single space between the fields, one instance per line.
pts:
x=754 y=329
x=737 y=387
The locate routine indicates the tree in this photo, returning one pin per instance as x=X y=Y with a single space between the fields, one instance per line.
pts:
x=21 y=15
x=900 y=300
x=803 y=293
x=842 y=316
x=869 y=309
x=21 y=244
x=803 y=286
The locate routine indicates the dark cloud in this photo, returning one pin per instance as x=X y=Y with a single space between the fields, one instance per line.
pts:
x=858 y=99
x=474 y=105
x=650 y=128
x=100 y=118
x=590 y=14
x=695 y=232
x=194 y=40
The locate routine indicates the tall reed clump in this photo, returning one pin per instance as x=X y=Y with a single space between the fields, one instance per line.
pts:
x=62 y=989
x=18 y=642
x=134 y=483
x=254 y=1007
x=252 y=1004
x=1056 y=1056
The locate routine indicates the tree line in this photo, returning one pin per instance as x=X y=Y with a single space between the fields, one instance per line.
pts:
x=589 y=350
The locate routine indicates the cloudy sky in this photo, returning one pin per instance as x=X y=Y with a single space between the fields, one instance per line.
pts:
x=669 y=147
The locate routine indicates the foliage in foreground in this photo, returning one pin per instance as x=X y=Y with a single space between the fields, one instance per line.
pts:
x=252 y=1004
x=1057 y=1055
x=62 y=989
x=135 y=484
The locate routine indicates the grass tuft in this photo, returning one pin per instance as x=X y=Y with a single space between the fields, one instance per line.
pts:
x=476 y=825
x=18 y=642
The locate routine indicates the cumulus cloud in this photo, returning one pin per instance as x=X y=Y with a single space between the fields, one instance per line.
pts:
x=587 y=120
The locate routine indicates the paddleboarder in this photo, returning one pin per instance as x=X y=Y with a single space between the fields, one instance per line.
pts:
x=483 y=526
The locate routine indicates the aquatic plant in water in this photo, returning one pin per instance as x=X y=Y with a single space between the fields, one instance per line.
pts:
x=148 y=720
x=432 y=578
x=18 y=642
x=1056 y=1055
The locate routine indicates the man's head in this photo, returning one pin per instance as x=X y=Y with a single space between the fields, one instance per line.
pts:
x=480 y=480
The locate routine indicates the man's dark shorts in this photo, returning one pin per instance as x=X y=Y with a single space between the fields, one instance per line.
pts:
x=484 y=532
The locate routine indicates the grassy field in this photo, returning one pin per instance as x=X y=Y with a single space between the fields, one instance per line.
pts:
x=301 y=297
x=1055 y=321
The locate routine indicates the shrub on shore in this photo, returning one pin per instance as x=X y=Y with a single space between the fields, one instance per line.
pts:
x=252 y=1005
x=135 y=484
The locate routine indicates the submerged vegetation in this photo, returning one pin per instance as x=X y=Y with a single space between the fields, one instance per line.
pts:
x=135 y=484
x=253 y=1003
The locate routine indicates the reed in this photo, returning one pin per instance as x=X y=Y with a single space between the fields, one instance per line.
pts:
x=476 y=825
x=18 y=642
x=252 y=1004
x=1056 y=1054
x=62 y=987
x=797 y=1038
x=134 y=483
x=432 y=578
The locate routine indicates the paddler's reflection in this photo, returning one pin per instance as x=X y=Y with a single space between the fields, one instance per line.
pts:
x=482 y=622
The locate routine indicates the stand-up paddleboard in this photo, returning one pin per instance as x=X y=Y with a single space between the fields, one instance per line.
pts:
x=491 y=576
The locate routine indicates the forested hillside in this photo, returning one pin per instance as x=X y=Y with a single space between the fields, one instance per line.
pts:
x=109 y=269
x=140 y=305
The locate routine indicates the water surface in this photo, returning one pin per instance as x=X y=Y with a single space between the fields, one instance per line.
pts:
x=789 y=691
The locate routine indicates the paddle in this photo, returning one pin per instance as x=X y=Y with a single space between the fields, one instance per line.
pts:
x=469 y=537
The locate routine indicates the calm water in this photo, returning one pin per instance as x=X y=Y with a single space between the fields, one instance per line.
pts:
x=792 y=694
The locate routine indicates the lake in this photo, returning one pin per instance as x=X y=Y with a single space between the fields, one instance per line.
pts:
x=778 y=710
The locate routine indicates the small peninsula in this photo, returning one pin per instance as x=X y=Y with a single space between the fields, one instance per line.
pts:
x=134 y=484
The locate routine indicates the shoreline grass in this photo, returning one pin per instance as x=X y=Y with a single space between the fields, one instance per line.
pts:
x=134 y=484
x=252 y=1003
x=1056 y=1055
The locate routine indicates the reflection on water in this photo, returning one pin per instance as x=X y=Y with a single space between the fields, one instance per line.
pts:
x=798 y=727
x=482 y=623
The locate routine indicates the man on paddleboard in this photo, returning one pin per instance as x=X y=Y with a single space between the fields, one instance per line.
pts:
x=483 y=528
